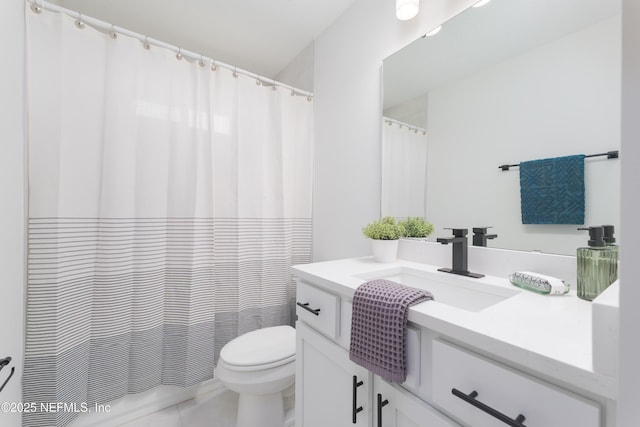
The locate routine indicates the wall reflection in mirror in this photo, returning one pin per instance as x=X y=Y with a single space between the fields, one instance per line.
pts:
x=511 y=81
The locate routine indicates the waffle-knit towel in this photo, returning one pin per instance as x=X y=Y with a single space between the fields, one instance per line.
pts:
x=378 y=327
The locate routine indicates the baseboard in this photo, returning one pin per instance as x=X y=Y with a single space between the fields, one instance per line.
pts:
x=135 y=406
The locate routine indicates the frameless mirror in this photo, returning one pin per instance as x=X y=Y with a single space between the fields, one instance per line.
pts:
x=511 y=81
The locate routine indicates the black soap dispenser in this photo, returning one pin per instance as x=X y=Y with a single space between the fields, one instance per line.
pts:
x=597 y=265
x=609 y=238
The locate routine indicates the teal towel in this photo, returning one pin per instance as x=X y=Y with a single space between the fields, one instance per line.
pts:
x=552 y=190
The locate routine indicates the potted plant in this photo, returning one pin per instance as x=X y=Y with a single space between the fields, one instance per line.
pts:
x=384 y=234
x=417 y=228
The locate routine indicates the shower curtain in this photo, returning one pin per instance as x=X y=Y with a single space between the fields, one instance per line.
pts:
x=404 y=170
x=167 y=202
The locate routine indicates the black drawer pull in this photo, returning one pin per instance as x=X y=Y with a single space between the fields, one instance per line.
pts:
x=356 y=408
x=471 y=399
x=315 y=311
x=381 y=404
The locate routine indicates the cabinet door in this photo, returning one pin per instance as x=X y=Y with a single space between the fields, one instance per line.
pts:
x=325 y=383
x=394 y=407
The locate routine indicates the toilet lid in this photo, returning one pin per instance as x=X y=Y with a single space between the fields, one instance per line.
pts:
x=266 y=346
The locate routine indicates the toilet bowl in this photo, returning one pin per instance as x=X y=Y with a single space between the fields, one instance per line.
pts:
x=259 y=366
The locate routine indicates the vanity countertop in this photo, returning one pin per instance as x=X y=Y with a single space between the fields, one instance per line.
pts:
x=550 y=335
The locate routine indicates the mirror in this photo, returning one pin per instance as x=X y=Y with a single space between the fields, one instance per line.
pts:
x=508 y=82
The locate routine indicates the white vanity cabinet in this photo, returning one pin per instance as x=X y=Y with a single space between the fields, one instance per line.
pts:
x=329 y=387
x=333 y=391
x=395 y=407
x=456 y=375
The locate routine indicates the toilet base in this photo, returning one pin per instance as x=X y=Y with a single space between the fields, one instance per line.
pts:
x=260 y=410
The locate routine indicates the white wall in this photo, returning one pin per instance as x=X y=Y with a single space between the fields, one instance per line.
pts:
x=347 y=121
x=299 y=72
x=629 y=370
x=529 y=107
x=12 y=212
x=348 y=63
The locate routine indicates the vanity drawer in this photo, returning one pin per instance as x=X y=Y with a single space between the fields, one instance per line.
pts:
x=505 y=390
x=318 y=309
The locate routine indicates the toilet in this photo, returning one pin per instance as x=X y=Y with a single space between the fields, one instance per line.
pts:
x=259 y=366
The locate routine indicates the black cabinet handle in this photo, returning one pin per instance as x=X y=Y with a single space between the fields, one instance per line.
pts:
x=381 y=403
x=4 y=362
x=471 y=399
x=315 y=311
x=356 y=408
x=13 y=370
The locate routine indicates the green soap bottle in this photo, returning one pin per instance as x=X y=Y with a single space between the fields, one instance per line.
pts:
x=610 y=241
x=597 y=265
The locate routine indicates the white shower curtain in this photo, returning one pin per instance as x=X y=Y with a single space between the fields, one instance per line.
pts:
x=404 y=170
x=167 y=202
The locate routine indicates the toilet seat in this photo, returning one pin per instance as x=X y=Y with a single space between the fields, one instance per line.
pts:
x=260 y=349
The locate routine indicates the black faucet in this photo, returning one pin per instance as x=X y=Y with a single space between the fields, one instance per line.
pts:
x=480 y=236
x=459 y=241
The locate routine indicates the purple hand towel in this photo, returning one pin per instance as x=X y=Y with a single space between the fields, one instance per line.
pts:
x=378 y=327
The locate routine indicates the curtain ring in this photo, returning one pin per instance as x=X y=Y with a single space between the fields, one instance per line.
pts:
x=146 y=44
x=235 y=73
x=309 y=98
x=258 y=82
x=113 y=33
x=293 y=93
x=201 y=62
x=179 y=54
x=35 y=7
x=214 y=67
x=79 y=22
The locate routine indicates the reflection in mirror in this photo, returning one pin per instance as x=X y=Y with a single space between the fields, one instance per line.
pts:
x=404 y=163
x=512 y=81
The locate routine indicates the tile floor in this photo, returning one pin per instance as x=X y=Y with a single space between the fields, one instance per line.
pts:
x=216 y=409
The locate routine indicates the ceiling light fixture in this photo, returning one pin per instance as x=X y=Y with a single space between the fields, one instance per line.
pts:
x=407 y=9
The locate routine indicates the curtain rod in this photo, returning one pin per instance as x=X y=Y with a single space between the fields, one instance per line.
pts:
x=609 y=154
x=401 y=124
x=38 y=6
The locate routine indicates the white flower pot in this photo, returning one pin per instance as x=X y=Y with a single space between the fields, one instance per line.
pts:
x=384 y=250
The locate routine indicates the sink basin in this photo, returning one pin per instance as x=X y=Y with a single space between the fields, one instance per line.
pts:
x=457 y=291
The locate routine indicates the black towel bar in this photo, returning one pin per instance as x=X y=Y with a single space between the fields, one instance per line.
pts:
x=610 y=155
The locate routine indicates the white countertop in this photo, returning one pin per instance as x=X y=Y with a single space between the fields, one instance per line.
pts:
x=549 y=335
